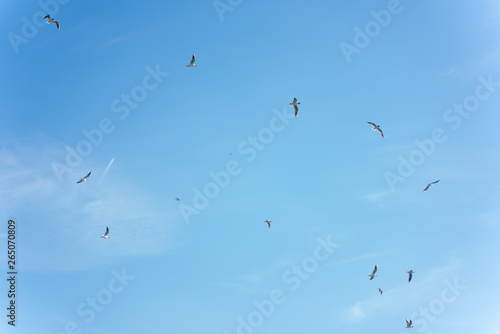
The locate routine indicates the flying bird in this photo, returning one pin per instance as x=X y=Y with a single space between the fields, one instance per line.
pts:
x=372 y=276
x=295 y=106
x=430 y=184
x=380 y=290
x=408 y=323
x=268 y=223
x=178 y=199
x=105 y=235
x=411 y=275
x=376 y=128
x=51 y=20
x=85 y=178
x=192 y=64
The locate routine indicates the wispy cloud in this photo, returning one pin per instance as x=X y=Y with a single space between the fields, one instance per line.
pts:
x=400 y=297
x=358 y=258
x=469 y=70
x=490 y=218
x=70 y=216
x=247 y=283
x=112 y=40
x=374 y=197
x=107 y=170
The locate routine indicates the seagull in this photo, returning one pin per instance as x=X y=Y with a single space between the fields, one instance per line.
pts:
x=376 y=128
x=411 y=275
x=268 y=223
x=51 y=20
x=105 y=235
x=380 y=290
x=430 y=184
x=84 y=178
x=295 y=106
x=408 y=323
x=372 y=276
x=192 y=64
x=178 y=199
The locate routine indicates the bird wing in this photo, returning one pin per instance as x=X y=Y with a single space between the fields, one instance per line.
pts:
x=88 y=175
x=427 y=187
x=57 y=24
x=46 y=16
x=371 y=123
x=81 y=180
x=296 y=108
x=107 y=231
x=374 y=270
x=409 y=278
x=380 y=130
x=193 y=59
x=435 y=182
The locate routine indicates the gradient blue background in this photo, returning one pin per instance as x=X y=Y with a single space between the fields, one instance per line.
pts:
x=323 y=175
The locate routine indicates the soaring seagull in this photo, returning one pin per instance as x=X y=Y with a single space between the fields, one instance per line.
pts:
x=105 y=235
x=430 y=184
x=84 y=178
x=376 y=128
x=411 y=275
x=380 y=290
x=268 y=223
x=192 y=64
x=51 y=20
x=372 y=276
x=295 y=106
x=408 y=323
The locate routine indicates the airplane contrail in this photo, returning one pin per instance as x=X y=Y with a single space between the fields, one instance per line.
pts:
x=107 y=169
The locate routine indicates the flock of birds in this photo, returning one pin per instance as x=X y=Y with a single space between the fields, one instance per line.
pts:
x=410 y=276
x=409 y=323
x=295 y=104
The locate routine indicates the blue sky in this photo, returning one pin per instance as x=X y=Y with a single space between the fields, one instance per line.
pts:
x=112 y=88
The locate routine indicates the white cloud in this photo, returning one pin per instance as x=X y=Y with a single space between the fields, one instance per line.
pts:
x=64 y=215
x=374 y=197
